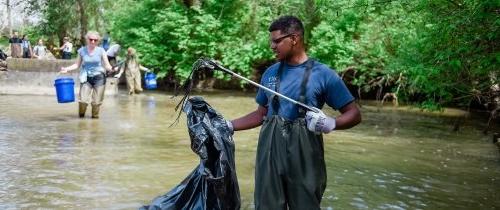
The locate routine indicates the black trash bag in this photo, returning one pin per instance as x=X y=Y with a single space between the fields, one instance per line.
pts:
x=213 y=184
x=3 y=56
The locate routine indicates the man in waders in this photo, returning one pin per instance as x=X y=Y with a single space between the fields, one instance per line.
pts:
x=290 y=168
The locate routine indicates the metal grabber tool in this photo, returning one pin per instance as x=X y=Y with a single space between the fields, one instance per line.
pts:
x=204 y=63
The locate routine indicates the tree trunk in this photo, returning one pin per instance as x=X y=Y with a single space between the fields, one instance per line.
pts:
x=100 y=23
x=190 y=3
x=83 y=21
x=9 y=17
x=311 y=20
x=254 y=21
x=97 y=21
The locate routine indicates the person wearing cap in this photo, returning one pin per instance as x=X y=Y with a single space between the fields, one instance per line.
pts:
x=131 y=67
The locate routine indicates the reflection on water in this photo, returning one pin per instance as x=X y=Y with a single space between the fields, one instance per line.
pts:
x=394 y=160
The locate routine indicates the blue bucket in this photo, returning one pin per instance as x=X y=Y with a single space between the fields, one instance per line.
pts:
x=65 y=89
x=150 y=80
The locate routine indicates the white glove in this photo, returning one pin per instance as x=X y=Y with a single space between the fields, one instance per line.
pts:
x=117 y=76
x=319 y=122
x=230 y=126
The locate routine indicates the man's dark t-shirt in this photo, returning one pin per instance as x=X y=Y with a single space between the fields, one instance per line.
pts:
x=15 y=40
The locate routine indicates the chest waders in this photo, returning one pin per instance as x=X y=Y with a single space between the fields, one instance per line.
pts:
x=290 y=168
x=133 y=76
x=92 y=92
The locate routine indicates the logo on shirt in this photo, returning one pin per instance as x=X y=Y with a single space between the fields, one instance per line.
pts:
x=271 y=82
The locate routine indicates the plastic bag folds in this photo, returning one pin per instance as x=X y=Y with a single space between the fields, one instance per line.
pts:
x=213 y=183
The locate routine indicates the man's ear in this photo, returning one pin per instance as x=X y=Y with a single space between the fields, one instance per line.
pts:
x=294 y=40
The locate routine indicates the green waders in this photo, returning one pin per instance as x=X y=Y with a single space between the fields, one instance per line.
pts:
x=290 y=170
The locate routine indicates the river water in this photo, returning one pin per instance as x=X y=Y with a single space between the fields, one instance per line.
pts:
x=395 y=159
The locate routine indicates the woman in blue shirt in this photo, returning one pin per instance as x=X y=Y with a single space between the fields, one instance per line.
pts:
x=93 y=63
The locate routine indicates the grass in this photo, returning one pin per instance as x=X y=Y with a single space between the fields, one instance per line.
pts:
x=4 y=42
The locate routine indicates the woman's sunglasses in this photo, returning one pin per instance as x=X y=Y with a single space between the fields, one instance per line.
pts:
x=93 y=40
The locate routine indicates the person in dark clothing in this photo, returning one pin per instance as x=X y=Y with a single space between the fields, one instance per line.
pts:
x=3 y=56
x=106 y=41
x=16 y=50
x=290 y=171
x=26 y=45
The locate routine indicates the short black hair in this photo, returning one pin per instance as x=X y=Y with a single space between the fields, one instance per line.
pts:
x=288 y=24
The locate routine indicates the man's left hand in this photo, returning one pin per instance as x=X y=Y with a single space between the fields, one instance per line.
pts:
x=230 y=127
x=320 y=123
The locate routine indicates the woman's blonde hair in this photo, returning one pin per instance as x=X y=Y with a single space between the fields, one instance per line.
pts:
x=92 y=33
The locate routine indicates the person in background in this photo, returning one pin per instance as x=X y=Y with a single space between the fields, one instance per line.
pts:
x=93 y=63
x=131 y=67
x=3 y=63
x=67 y=49
x=112 y=52
x=106 y=41
x=40 y=51
x=290 y=171
x=15 y=42
x=3 y=56
x=26 y=45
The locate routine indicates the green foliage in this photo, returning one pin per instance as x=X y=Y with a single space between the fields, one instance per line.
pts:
x=450 y=58
x=172 y=36
x=4 y=42
x=331 y=46
x=430 y=52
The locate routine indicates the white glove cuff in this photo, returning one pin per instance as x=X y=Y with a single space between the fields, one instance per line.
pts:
x=330 y=124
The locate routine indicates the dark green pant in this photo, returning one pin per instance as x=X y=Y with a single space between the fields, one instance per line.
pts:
x=290 y=169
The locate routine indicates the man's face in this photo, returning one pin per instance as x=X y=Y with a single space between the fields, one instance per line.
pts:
x=281 y=44
x=15 y=34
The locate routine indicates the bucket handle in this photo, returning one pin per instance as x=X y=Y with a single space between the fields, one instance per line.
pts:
x=148 y=73
x=59 y=74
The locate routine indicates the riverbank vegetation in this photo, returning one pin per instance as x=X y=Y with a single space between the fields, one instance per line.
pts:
x=430 y=52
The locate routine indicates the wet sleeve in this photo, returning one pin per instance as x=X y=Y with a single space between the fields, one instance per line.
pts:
x=337 y=94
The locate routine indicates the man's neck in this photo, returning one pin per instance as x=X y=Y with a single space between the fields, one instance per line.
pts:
x=297 y=59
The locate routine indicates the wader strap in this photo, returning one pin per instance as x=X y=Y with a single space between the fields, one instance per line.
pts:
x=275 y=103
x=302 y=98
x=303 y=87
